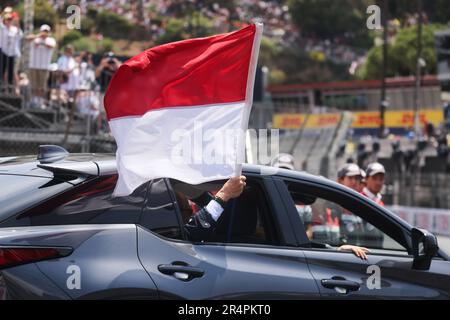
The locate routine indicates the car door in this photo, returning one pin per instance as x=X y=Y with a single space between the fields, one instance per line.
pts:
x=387 y=273
x=237 y=264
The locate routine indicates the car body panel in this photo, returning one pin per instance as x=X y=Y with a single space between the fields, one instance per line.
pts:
x=230 y=271
x=398 y=278
x=104 y=256
x=28 y=282
x=122 y=261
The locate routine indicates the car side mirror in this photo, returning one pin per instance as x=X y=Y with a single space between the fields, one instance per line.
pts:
x=425 y=247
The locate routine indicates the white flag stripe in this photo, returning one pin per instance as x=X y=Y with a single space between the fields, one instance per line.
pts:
x=146 y=145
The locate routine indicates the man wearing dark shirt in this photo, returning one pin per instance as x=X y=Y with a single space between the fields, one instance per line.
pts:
x=106 y=69
x=201 y=225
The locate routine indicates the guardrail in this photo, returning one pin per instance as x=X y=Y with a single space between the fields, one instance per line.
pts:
x=436 y=221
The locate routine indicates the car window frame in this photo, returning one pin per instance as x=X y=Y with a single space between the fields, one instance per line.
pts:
x=341 y=195
x=64 y=186
x=82 y=184
x=283 y=231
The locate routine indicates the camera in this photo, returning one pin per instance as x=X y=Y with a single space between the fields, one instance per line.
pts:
x=110 y=56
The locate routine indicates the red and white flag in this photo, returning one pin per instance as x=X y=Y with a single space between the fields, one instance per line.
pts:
x=173 y=108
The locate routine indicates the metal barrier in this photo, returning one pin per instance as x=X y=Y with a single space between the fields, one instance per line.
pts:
x=434 y=220
x=74 y=119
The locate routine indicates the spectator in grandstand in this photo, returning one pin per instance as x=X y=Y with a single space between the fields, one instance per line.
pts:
x=41 y=51
x=24 y=86
x=446 y=109
x=362 y=182
x=375 y=173
x=350 y=226
x=10 y=37
x=87 y=71
x=429 y=130
x=350 y=176
x=305 y=211
x=284 y=161
x=88 y=104
x=104 y=73
x=16 y=23
x=68 y=72
x=106 y=69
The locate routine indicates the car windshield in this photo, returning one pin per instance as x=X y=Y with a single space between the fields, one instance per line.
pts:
x=19 y=192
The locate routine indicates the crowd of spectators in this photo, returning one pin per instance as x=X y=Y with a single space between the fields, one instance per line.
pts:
x=71 y=81
x=223 y=14
x=55 y=77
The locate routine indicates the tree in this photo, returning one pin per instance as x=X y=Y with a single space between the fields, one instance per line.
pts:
x=71 y=36
x=44 y=13
x=174 y=31
x=438 y=11
x=442 y=11
x=268 y=56
x=299 y=67
x=84 y=44
x=87 y=25
x=113 y=25
x=402 y=54
x=199 y=25
x=329 y=19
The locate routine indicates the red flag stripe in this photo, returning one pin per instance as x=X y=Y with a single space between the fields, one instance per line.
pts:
x=204 y=71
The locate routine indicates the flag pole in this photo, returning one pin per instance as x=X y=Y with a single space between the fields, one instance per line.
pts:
x=248 y=98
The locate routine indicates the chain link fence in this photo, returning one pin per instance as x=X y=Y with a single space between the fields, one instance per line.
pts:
x=74 y=120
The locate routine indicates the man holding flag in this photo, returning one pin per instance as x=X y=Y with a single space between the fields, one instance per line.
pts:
x=199 y=226
x=196 y=85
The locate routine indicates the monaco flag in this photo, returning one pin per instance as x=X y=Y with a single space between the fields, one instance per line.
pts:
x=180 y=110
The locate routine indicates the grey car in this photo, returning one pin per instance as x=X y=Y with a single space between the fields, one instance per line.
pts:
x=63 y=236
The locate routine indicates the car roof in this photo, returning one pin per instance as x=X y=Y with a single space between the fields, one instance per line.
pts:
x=105 y=164
x=29 y=165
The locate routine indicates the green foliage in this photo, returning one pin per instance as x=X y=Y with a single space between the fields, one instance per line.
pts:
x=87 y=25
x=199 y=25
x=327 y=19
x=276 y=76
x=70 y=37
x=402 y=54
x=268 y=51
x=92 y=12
x=93 y=46
x=106 y=45
x=113 y=25
x=174 y=31
x=43 y=13
x=297 y=66
x=438 y=11
x=442 y=11
x=84 y=44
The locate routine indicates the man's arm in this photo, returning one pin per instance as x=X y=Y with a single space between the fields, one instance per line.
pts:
x=50 y=43
x=31 y=37
x=201 y=225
